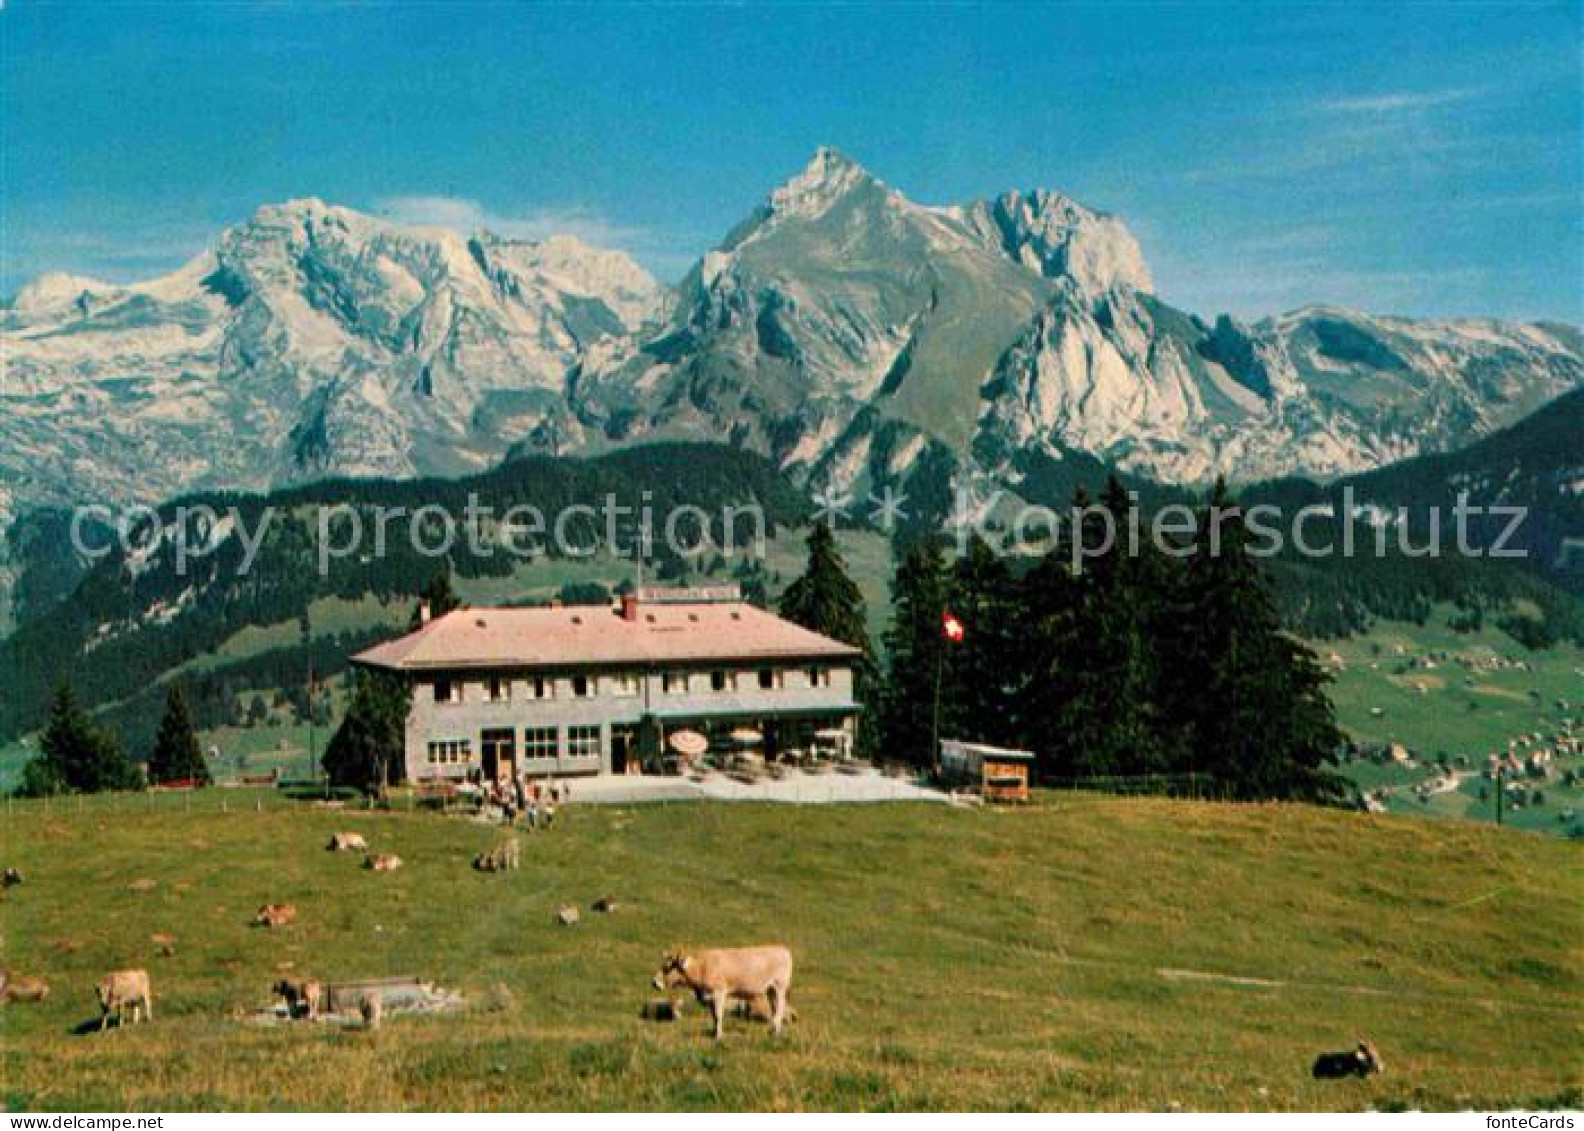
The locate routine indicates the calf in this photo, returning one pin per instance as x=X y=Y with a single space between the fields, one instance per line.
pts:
x=303 y=996
x=382 y=862
x=18 y=987
x=1360 y=1061
x=372 y=1009
x=275 y=915
x=502 y=858
x=719 y=977
x=347 y=842
x=125 y=990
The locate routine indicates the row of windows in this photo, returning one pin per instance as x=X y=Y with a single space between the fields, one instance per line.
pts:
x=624 y=684
x=451 y=752
x=500 y=745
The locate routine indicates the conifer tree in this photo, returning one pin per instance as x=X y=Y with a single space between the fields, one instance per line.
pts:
x=439 y=595
x=77 y=755
x=981 y=672
x=366 y=752
x=914 y=654
x=825 y=599
x=176 y=755
x=1251 y=698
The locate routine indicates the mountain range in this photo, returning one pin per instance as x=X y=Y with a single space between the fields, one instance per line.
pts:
x=841 y=329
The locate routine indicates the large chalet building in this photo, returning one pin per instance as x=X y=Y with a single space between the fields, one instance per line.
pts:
x=571 y=690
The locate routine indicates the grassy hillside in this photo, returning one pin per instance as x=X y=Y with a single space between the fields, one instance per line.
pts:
x=1083 y=953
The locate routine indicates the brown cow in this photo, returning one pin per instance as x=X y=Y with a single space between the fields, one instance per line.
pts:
x=382 y=861
x=275 y=915
x=19 y=987
x=502 y=858
x=303 y=996
x=347 y=842
x=718 y=977
x=123 y=990
x=372 y=1009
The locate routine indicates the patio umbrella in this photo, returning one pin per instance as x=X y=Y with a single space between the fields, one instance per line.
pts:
x=746 y=736
x=688 y=743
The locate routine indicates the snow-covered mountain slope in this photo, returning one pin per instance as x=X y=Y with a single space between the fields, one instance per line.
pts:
x=311 y=340
x=841 y=328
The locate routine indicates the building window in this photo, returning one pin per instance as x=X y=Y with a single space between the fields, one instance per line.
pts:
x=543 y=687
x=674 y=683
x=450 y=752
x=583 y=742
x=723 y=681
x=499 y=746
x=447 y=691
x=541 y=742
x=582 y=686
x=497 y=690
x=769 y=679
x=819 y=677
x=624 y=685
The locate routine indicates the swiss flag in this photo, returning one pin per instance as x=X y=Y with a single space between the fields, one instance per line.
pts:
x=952 y=628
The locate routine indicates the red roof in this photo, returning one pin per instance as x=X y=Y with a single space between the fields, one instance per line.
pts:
x=578 y=636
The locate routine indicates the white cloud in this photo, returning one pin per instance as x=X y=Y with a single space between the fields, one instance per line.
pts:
x=1397 y=102
x=662 y=253
x=466 y=215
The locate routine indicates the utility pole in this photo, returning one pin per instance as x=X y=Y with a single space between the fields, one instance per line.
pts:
x=1501 y=790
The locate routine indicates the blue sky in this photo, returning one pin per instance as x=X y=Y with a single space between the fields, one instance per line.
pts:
x=1401 y=158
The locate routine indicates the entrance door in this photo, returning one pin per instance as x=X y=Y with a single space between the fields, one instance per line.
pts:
x=624 y=750
x=500 y=753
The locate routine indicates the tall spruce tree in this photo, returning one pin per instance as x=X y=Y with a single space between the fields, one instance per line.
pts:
x=914 y=656
x=981 y=672
x=1118 y=595
x=366 y=751
x=826 y=600
x=1252 y=698
x=439 y=596
x=76 y=755
x=176 y=755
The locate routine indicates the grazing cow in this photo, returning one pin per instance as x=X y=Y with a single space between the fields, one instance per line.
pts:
x=302 y=995
x=382 y=862
x=19 y=987
x=567 y=915
x=372 y=1009
x=275 y=915
x=1360 y=1061
x=11 y=878
x=717 y=977
x=125 y=990
x=502 y=858
x=347 y=842
x=605 y=905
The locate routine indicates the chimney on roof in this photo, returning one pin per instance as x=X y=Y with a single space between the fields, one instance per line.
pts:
x=629 y=606
x=423 y=613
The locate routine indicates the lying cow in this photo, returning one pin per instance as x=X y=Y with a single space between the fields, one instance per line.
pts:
x=20 y=987
x=275 y=915
x=719 y=977
x=347 y=842
x=1360 y=1061
x=125 y=990
x=303 y=996
x=382 y=862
